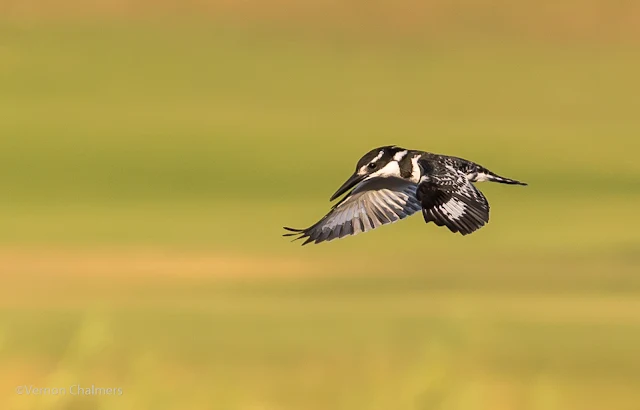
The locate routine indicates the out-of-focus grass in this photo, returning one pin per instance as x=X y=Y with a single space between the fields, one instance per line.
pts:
x=134 y=113
x=197 y=143
x=350 y=344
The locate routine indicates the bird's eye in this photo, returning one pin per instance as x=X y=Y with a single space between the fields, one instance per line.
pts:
x=372 y=165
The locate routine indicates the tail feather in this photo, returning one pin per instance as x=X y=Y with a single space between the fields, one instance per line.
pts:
x=503 y=180
x=477 y=173
x=486 y=175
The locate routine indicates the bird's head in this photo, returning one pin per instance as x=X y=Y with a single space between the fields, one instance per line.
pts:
x=379 y=162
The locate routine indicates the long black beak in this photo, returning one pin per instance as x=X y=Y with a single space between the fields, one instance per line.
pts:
x=350 y=183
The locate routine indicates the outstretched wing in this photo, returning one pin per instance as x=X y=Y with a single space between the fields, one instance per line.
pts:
x=373 y=203
x=449 y=199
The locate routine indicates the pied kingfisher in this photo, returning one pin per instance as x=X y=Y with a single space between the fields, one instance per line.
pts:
x=391 y=183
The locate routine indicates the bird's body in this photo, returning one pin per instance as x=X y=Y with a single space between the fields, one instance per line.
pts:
x=391 y=183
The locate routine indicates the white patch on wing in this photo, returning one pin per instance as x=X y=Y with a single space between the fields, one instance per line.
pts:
x=454 y=208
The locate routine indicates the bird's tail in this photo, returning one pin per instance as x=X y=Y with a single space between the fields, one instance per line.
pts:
x=483 y=174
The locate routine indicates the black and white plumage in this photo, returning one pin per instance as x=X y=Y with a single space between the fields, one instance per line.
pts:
x=391 y=183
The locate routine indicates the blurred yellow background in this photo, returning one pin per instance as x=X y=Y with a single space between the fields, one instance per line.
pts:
x=151 y=151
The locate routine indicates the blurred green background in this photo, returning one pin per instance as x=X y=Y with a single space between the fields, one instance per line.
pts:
x=150 y=153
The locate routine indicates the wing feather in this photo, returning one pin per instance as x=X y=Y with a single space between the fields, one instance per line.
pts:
x=371 y=204
x=450 y=199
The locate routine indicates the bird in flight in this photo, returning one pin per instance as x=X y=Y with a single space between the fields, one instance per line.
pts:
x=391 y=183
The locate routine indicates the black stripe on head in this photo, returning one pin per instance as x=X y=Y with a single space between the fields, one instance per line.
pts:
x=381 y=155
